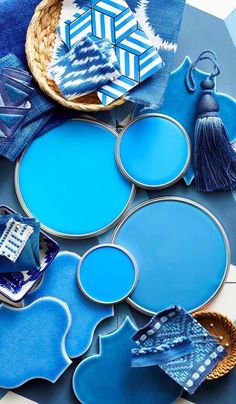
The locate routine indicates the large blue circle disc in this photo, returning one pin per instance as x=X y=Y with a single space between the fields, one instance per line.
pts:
x=68 y=180
x=181 y=251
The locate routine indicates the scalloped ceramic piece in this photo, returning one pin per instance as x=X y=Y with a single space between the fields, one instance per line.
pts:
x=108 y=377
x=32 y=342
x=60 y=281
x=180 y=104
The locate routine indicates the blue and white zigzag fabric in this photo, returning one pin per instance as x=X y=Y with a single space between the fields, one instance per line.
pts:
x=82 y=70
x=114 y=20
x=170 y=329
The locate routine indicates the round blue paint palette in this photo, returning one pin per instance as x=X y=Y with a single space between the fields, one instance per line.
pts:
x=181 y=250
x=153 y=151
x=68 y=179
x=107 y=274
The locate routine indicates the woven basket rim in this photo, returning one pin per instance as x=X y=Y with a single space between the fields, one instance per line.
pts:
x=229 y=361
x=33 y=59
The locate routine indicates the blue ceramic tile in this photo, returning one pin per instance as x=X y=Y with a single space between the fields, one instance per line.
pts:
x=108 y=377
x=27 y=352
x=60 y=282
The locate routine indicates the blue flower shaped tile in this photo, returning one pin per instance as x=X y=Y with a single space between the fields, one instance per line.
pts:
x=60 y=282
x=108 y=377
x=26 y=345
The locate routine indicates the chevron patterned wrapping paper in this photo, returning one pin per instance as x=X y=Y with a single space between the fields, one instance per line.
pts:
x=114 y=20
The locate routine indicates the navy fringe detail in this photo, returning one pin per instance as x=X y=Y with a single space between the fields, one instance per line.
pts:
x=214 y=157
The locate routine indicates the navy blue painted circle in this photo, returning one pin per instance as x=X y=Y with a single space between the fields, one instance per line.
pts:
x=107 y=274
x=181 y=251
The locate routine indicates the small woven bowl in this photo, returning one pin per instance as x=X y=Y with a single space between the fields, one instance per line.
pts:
x=224 y=327
x=40 y=39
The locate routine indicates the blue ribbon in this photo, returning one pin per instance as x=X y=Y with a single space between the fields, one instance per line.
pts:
x=151 y=356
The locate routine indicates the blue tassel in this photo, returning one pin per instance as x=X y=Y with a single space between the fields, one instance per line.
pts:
x=214 y=157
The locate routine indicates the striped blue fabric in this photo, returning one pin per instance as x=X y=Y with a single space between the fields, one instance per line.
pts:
x=138 y=60
x=79 y=30
x=68 y=27
x=113 y=20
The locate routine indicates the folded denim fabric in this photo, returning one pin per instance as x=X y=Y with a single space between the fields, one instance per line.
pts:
x=11 y=121
x=160 y=20
x=82 y=70
x=13 y=93
x=179 y=345
x=15 y=17
x=36 y=118
x=19 y=248
x=18 y=74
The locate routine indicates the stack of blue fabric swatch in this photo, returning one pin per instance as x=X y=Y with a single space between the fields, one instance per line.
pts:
x=24 y=109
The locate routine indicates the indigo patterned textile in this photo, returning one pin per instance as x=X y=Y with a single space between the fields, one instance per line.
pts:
x=82 y=70
x=28 y=254
x=160 y=20
x=21 y=127
x=15 y=17
x=177 y=343
x=113 y=20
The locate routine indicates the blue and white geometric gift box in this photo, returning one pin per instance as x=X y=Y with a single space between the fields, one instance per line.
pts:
x=114 y=20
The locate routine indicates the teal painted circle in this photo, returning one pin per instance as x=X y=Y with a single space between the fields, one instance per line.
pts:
x=153 y=151
x=68 y=179
x=107 y=274
x=181 y=250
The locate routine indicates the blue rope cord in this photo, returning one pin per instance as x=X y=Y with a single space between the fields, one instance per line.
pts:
x=205 y=55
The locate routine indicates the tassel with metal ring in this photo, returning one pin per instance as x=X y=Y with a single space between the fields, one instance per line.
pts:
x=214 y=157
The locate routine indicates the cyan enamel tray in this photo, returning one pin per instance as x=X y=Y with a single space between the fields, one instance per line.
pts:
x=153 y=151
x=68 y=179
x=181 y=250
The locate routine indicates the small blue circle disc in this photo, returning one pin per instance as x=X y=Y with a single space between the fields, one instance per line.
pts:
x=153 y=151
x=107 y=274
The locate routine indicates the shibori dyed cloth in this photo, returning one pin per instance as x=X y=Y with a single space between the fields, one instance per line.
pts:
x=114 y=20
x=160 y=20
x=177 y=343
x=83 y=69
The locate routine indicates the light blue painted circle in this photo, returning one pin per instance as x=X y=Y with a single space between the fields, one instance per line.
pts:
x=153 y=151
x=181 y=251
x=107 y=274
x=68 y=179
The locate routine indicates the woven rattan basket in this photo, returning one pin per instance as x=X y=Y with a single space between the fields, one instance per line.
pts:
x=39 y=44
x=220 y=326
